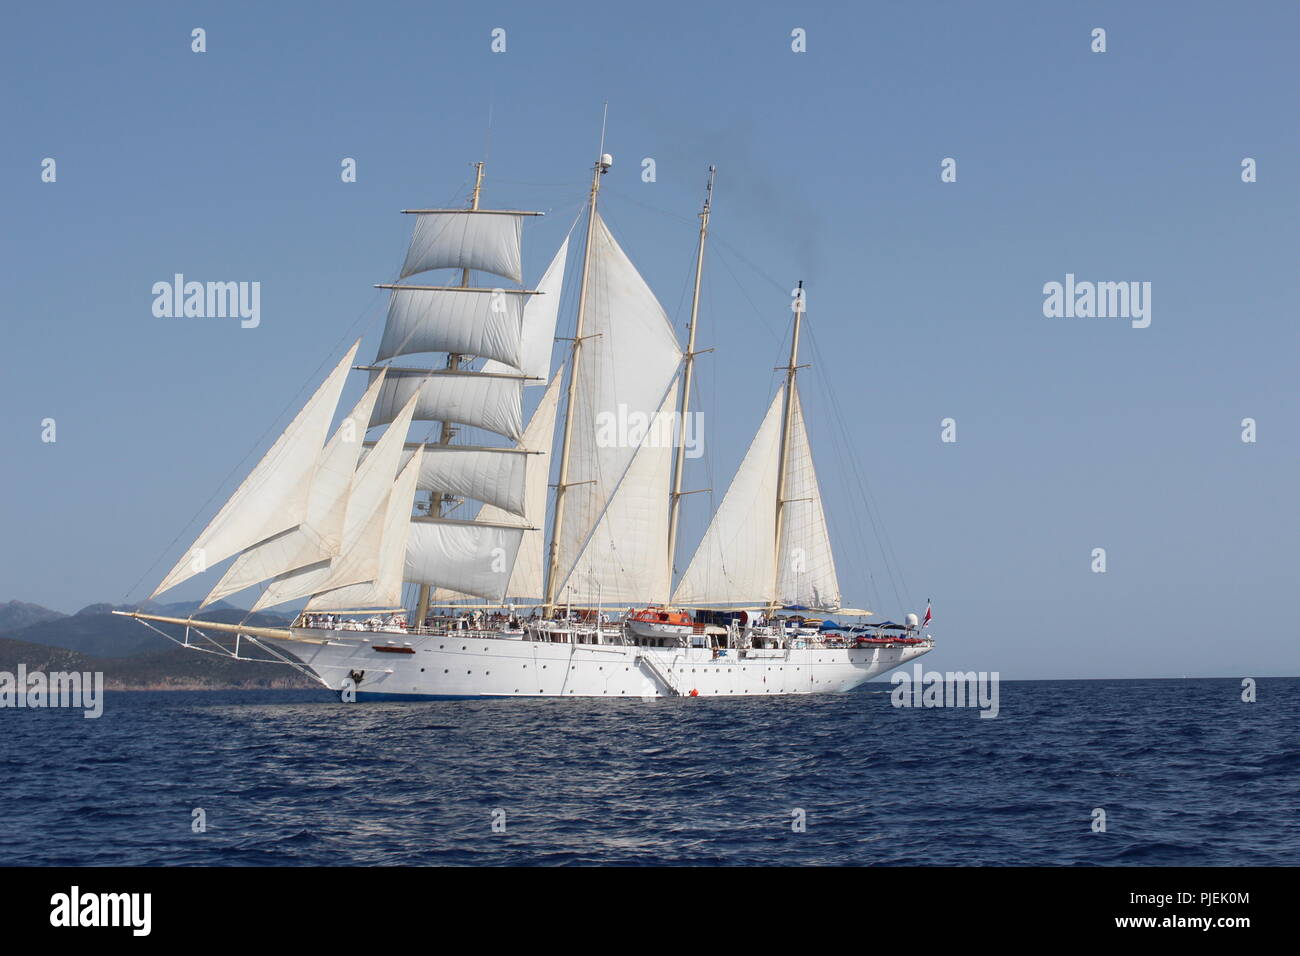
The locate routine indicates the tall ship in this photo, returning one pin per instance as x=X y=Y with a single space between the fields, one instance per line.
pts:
x=537 y=558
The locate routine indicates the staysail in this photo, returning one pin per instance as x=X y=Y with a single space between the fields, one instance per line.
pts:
x=735 y=561
x=739 y=561
x=273 y=498
x=807 y=569
x=630 y=357
x=358 y=558
x=541 y=312
x=320 y=534
x=623 y=562
x=391 y=525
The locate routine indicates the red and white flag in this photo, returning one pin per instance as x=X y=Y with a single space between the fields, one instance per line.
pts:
x=928 y=615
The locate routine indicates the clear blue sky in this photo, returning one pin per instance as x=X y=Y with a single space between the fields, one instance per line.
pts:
x=925 y=297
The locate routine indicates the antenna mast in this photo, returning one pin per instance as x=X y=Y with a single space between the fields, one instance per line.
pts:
x=602 y=165
x=679 y=466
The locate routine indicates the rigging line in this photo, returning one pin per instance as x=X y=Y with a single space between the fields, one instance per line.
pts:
x=889 y=554
x=877 y=519
x=294 y=401
x=524 y=182
x=844 y=448
x=654 y=209
x=761 y=316
x=758 y=270
x=841 y=452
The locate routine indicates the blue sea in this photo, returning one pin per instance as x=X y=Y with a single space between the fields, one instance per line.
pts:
x=1186 y=773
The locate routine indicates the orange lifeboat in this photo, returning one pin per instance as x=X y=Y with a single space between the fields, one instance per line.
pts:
x=662 y=622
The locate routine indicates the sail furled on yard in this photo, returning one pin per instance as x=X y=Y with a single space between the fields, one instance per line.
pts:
x=807 y=567
x=623 y=559
x=482 y=240
x=273 y=498
x=320 y=533
x=494 y=402
x=486 y=322
x=358 y=558
x=629 y=359
x=735 y=561
x=391 y=525
x=541 y=311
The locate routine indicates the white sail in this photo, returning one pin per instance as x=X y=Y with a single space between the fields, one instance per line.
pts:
x=734 y=563
x=540 y=314
x=526 y=578
x=527 y=575
x=358 y=557
x=629 y=358
x=487 y=323
x=497 y=476
x=466 y=239
x=273 y=498
x=493 y=402
x=807 y=569
x=623 y=561
x=464 y=556
x=320 y=534
x=394 y=522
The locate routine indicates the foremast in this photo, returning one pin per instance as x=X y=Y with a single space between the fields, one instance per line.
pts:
x=447 y=429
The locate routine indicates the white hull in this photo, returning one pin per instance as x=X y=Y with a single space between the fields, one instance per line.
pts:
x=484 y=664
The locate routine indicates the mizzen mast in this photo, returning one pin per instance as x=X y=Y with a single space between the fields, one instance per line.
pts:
x=787 y=425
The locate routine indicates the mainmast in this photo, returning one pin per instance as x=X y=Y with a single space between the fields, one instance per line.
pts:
x=447 y=430
x=679 y=466
x=787 y=424
x=601 y=167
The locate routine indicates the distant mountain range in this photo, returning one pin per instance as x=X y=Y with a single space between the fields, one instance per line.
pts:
x=130 y=655
x=15 y=615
